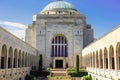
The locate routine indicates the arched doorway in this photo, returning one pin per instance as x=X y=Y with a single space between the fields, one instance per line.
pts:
x=3 y=56
x=111 y=55
x=105 y=58
x=15 y=59
x=59 y=50
x=10 y=55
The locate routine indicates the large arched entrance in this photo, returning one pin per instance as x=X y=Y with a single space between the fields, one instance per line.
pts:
x=59 y=51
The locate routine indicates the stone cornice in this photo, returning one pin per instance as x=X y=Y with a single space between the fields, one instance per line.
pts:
x=43 y=16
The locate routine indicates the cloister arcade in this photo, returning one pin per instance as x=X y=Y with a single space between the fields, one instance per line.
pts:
x=101 y=60
x=17 y=58
x=102 y=57
x=14 y=58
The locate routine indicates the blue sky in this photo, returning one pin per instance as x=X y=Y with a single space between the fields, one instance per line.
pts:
x=103 y=15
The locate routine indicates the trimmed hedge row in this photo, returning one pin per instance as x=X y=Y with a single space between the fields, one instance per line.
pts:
x=44 y=73
x=72 y=72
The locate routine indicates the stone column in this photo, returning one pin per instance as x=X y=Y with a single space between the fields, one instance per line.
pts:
x=21 y=60
x=109 y=62
x=103 y=61
x=17 y=60
x=95 y=61
x=6 y=63
x=115 y=58
x=99 y=62
x=12 y=63
x=92 y=63
x=24 y=60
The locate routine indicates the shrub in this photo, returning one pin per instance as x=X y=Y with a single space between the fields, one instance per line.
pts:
x=88 y=77
x=34 y=73
x=45 y=73
x=71 y=70
x=73 y=73
x=29 y=77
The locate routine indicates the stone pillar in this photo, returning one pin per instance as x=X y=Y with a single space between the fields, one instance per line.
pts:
x=21 y=60
x=103 y=61
x=95 y=61
x=109 y=62
x=99 y=62
x=92 y=63
x=12 y=64
x=115 y=58
x=99 y=57
x=6 y=63
x=17 y=60
x=24 y=60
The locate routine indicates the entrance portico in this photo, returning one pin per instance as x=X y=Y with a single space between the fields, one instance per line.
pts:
x=59 y=62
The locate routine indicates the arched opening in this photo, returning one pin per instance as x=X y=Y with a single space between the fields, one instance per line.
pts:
x=118 y=55
x=111 y=53
x=15 y=59
x=101 y=59
x=97 y=60
x=59 y=46
x=3 y=56
x=23 y=59
x=10 y=55
x=19 y=59
x=105 y=58
x=20 y=79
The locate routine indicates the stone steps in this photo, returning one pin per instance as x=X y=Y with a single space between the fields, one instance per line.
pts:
x=58 y=72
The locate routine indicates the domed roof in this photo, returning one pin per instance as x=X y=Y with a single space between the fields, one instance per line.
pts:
x=59 y=4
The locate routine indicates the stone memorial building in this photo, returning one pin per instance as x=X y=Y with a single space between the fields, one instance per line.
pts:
x=59 y=32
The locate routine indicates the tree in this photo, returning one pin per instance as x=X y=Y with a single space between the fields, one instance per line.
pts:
x=40 y=64
x=90 y=77
x=77 y=63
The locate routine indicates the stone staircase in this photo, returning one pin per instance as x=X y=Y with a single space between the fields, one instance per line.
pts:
x=58 y=72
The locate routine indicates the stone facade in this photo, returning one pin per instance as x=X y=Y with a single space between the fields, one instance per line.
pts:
x=47 y=24
x=102 y=57
x=17 y=58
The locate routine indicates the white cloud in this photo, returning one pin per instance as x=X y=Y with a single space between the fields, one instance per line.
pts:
x=13 y=24
x=15 y=28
